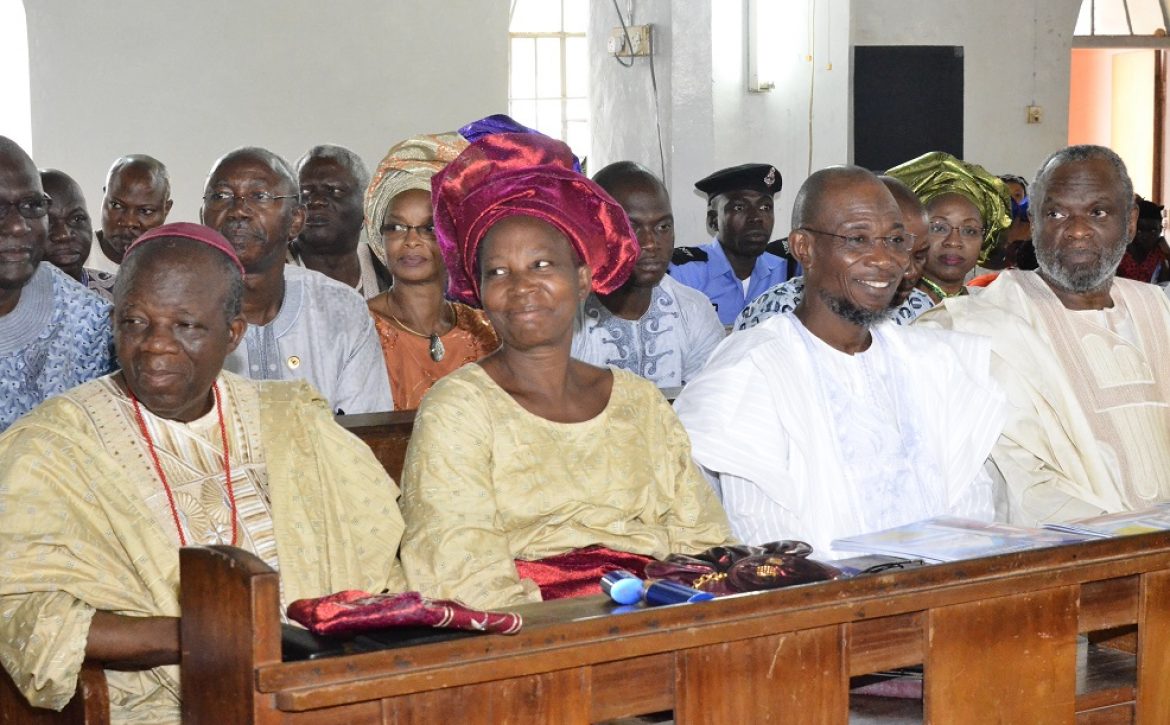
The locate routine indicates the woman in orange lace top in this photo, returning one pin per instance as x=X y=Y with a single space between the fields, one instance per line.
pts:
x=424 y=336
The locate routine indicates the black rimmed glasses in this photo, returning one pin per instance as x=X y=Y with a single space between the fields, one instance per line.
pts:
x=941 y=229
x=396 y=232
x=901 y=243
x=218 y=200
x=31 y=207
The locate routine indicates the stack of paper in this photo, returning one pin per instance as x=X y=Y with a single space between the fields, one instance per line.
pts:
x=948 y=538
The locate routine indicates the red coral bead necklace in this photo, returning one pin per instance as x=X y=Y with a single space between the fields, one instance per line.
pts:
x=227 y=463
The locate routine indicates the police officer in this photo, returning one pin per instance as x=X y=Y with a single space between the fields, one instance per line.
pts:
x=734 y=268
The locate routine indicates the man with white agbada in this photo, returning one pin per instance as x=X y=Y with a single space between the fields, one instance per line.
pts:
x=1083 y=356
x=829 y=421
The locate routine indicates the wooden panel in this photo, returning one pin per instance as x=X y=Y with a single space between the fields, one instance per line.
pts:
x=796 y=677
x=1108 y=603
x=554 y=697
x=229 y=627
x=1153 y=686
x=886 y=643
x=1005 y=660
x=1115 y=715
x=361 y=713
x=90 y=704
x=632 y=687
x=387 y=435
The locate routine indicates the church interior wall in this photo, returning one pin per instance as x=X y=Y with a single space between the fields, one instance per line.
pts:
x=226 y=74
x=189 y=81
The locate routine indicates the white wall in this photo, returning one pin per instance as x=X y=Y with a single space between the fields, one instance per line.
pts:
x=187 y=81
x=710 y=121
x=808 y=110
x=998 y=39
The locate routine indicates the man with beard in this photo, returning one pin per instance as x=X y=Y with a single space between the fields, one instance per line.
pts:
x=71 y=233
x=734 y=268
x=821 y=423
x=53 y=333
x=332 y=181
x=1082 y=354
x=137 y=199
x=301 y=324
x=908 y=303
x=652 y=325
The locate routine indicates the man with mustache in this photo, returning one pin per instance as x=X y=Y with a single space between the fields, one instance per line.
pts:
x=137 y=199
x=831 y=421
x=734 y=269
x=301 y=324
x=71 y=233
x=1083 y=354
x=652 y=325
x=53 y=333
x=333 y=180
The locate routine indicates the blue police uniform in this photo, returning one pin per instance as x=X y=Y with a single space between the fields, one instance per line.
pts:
x=709 y=272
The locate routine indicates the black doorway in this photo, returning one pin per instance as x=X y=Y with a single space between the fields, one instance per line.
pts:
x=907 y=100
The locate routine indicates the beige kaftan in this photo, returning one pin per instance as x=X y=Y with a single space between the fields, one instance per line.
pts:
x=85 y=524
x=486 y=482
x=1090 y=429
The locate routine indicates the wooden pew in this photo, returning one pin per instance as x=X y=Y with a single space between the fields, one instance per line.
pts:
x=997 y=637
x=90 y=704
x=387 y=435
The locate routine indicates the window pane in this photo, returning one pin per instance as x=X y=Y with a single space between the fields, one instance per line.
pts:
x=523 y=84
x=535 y=16
x=548 y=68
x=578 y=138
x=576 y=16
x=576 y=67
x=523 y=112
x=577 y=109
x=548 y=118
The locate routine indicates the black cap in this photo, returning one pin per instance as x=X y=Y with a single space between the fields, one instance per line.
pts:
x=745 y=177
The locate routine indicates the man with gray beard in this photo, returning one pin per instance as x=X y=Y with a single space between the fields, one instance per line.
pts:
x=830 y=420
x=1083 y=355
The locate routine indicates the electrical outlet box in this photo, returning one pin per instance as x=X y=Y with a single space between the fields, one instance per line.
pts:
x=1035 y=114
x=639 y=38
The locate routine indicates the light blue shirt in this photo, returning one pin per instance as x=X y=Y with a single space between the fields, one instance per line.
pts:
x=323 y=333
x=57 y=336
x=717 y=280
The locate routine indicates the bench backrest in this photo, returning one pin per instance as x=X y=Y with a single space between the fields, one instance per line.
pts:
x=997 y=637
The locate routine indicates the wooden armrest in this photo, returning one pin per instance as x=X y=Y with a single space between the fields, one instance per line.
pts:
x=90 y=704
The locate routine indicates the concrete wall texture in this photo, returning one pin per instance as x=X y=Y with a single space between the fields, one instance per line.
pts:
x=188 y=81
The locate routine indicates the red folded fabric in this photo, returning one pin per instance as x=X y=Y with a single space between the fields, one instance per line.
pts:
x=354 y=611
x=578 y=573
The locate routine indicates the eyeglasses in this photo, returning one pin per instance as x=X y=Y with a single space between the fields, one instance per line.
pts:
x=254 y=199
x=941 y=229
x=396 y=232
x=34 y=207
x=902 y=243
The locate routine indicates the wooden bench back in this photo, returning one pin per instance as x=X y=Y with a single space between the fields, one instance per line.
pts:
x=997 y=637
x=387 y=435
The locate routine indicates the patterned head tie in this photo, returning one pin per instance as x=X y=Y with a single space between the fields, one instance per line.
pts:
x=934 y=174
x=508 y=174
x=408 y=165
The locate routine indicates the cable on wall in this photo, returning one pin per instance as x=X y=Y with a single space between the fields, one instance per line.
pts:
x=629 y=43
x=653 y=78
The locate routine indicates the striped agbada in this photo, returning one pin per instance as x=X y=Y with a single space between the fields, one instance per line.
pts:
x=85 y=524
